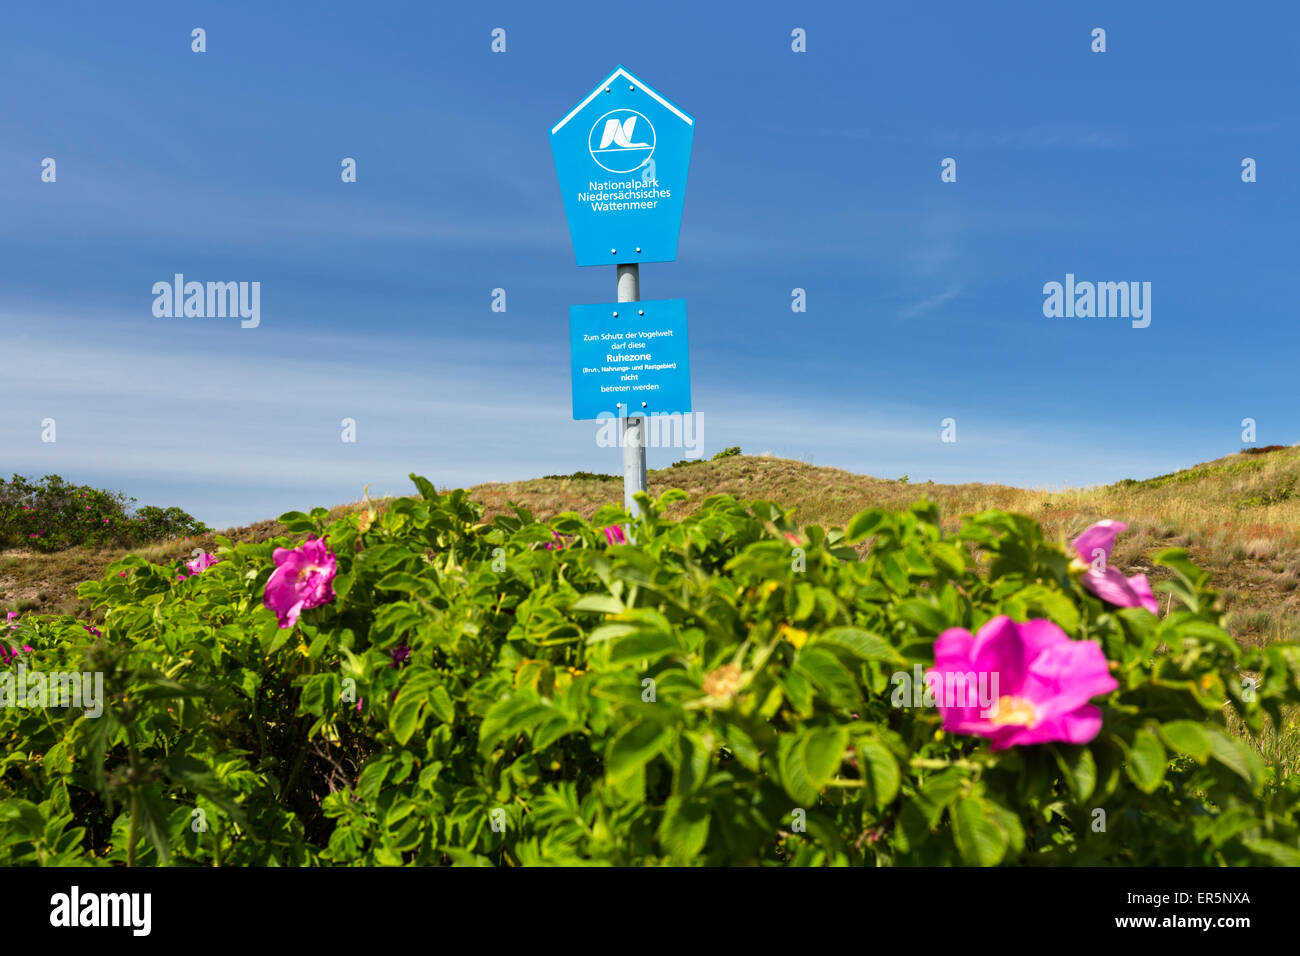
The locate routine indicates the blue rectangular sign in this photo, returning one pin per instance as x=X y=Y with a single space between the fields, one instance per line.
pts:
x=632 y=354
x=622 y=156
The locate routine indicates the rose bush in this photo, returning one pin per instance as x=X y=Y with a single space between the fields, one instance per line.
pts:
x=425 y=687
x=51 y=515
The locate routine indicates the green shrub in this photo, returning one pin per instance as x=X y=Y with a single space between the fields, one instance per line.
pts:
x=717 y=692
x=725 y=453
x=51 y=515
x=583 y=476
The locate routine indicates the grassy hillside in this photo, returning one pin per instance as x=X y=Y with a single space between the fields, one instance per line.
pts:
x=1239 y=516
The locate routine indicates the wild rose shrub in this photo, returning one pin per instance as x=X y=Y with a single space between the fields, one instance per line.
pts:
x=50 y=515
x=718 y=690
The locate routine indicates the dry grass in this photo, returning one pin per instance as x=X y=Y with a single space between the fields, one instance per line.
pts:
x=1237 y=515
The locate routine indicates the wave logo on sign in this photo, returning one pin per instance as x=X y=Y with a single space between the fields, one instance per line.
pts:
x=617 y=141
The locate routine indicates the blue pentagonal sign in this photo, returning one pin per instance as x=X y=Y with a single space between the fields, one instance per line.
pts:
x=630 y=358
x=622 y=155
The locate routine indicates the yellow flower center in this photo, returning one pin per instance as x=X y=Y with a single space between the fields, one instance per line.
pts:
x=1015 y=711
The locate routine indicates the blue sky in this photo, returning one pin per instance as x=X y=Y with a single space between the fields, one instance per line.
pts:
x=816 y=170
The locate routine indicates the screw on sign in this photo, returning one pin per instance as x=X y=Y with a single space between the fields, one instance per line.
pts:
x=622 y=156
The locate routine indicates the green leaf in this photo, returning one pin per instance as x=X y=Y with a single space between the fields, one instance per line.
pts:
x=805 y=602
x=632 y=749
x=809 y=760
x=893 y=573
x=691 y=763
x=401 y=581
x=1146 y=761
x=197 y=777
x=441 y=705
x=830 y=676
x=427 y=491
x=743 y=747
x=23 y=812
x=296 y=522
x=927 y=618
x=1277 y=853
x=879 y=771
x=1187 y=737
x=866 y=523
x=685 y=827
x=1237 y=756
x=950 y=556
x=861 y=644
x=600 y=603
x=1010 y=824
x=1178 y=561
x=937 y=792
x=798 y=691
x=608 y=632
x=151 y=816
x=1232 y=822
x=642 y=645
x=403 y=717
x=372 y=776
x=1079 y=768
x=509 y=718
x=979 y=838
x=1042 y=600
x=273 y=636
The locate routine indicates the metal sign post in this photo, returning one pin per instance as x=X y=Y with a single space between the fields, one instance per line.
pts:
x=622 y=156
x=633 y=430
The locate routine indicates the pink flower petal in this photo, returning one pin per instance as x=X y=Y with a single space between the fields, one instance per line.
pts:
x=1044 y=681
x=1113 y=588
x=1100 y=536
x=301 y=580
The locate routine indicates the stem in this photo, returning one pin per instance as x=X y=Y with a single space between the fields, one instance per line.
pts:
x=130 y=840
x=933 y=764
x=298 y=761
x=261 y=730
x=135 y=787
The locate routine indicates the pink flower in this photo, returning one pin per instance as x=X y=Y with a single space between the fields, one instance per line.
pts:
x=1034 y=681
x=301 y=580
x=557 y=544
x=202 y=563
x=1106 y=582
x=614 y=535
